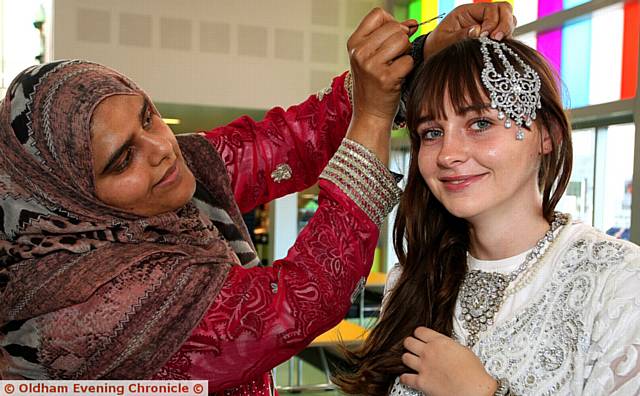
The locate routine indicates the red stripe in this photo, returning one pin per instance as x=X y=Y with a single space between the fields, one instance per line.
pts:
x=630 y=44
x=482 y=1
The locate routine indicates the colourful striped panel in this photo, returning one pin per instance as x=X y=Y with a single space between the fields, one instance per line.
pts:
x=596 y=43
x=630 y=44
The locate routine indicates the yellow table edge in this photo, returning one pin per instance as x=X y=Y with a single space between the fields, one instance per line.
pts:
x=376 y=279
x=345 y=332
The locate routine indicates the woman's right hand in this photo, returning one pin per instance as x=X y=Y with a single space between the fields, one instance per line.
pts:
x=378 y=51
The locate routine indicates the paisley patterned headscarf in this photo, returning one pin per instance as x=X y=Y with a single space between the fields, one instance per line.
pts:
x=88 y=291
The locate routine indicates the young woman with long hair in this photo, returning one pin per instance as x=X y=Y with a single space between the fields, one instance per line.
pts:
x=495 y=292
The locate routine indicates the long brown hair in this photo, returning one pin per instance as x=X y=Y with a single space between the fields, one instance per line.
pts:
x=431 y=244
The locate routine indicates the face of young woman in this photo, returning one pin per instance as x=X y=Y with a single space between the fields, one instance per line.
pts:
x=475 y=166
x=137 y=163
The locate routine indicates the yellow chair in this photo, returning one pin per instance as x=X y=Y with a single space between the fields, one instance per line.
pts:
x=346 y=332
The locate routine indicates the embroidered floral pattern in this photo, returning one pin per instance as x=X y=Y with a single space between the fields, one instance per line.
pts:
x=252 y=323
x=558 y=339
x=304 y=137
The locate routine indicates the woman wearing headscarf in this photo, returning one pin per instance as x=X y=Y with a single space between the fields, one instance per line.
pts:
x=122 y=249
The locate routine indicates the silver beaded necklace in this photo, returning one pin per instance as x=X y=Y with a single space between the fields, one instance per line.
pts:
x=482 y=293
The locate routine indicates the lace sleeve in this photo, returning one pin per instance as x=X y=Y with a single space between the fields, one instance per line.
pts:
x=614 y=354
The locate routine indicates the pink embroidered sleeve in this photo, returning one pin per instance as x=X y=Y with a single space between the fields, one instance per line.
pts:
x=286 y=151
x=263 y=316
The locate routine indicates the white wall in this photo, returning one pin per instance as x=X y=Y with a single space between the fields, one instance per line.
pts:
x=240 y=53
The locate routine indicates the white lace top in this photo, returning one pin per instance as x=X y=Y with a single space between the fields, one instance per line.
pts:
x=573 y=330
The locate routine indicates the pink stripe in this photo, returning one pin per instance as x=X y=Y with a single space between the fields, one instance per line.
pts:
x=550 y=45
x=547 y=7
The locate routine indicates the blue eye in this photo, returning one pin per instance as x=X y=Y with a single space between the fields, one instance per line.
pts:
x=431 y=134
x=481 y=124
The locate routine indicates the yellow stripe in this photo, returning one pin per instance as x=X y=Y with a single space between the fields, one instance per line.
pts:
x=512 y=2
x=429 y=10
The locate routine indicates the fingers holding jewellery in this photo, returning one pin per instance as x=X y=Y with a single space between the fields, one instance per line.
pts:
x=378 y=53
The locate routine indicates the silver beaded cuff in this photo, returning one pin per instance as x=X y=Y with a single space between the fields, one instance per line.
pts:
x=348 y=86
x=361 y=175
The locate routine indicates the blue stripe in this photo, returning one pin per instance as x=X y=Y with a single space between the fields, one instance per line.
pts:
x=445 y=6
x=576 y=58
x=572 y=3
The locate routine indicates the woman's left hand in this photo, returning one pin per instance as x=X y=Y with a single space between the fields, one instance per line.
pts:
x=443 y=366
x=495 y=20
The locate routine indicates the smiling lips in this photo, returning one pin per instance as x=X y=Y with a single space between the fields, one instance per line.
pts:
x=460 y=183
x=170 y=176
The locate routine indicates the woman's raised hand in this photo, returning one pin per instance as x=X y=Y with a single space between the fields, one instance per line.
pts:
x=378 y=53
x=495 y=20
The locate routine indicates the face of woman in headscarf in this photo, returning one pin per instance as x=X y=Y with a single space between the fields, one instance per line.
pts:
x=137 y=163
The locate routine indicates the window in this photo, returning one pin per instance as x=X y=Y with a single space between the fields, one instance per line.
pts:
x=614 y=171
x=599 y=191
x=578 y=198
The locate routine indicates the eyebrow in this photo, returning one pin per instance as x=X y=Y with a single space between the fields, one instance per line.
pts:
x=475 y=108
x=116 y=154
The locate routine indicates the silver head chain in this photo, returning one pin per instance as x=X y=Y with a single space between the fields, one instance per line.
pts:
x=516 y=95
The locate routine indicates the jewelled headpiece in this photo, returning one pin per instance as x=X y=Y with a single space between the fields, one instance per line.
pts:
x=516 y=95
